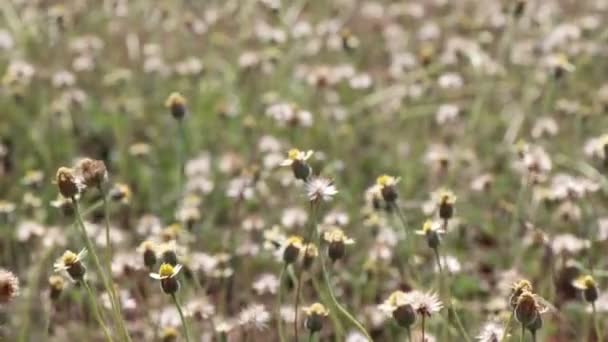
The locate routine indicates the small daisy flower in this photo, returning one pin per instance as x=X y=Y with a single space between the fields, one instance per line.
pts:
x=166 y=274
x=297 y=160
x=176 y=104
x=491 y=332
x=399 y=306
x=337 y=242
x=314 y=316
x=387 y=184
x=121 y=193
x=255 y=316
x=432 y=231
x=294 y=155
x=588 y=286
x=291 y=248
x=320 y=189
x=9 y=286
x=310 y=253
x=425 y=304
x=445 y=202
x=72 y=264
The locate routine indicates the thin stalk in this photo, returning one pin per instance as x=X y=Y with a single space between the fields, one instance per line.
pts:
x=333 y=297
x=507 y=327
x=181 y=316
x=409 y=335
x=279 y=303
x=98 y=316
x=448 y=297
x=181 y=155
x=596 y=323
x=310 y=336
x=522 y=337
x=116 y=306
x=311 y=230
x=423 y=321
x=91 y=248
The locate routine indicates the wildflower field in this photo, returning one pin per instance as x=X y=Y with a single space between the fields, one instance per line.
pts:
x=299 y=170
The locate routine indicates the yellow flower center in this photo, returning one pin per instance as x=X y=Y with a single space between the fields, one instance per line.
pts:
x=166 y=270
x=428 y=226
x=317 y=309
x=69 y=258
x=384 y=180
x=293 y=154
x=588 y=281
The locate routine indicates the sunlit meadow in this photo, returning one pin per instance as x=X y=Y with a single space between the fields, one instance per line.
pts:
x=303 y=170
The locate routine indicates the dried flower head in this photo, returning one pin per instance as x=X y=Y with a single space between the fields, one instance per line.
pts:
x=9 y=286
x=176 y=104
x=67 y=182
x=517 y=289
x=72 y=264
x=92 y=172
x=314 y=316
x=320 y=189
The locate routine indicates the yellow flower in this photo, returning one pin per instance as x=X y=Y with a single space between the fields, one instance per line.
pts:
x=584 y=282
x=296 y=155
x=386 y=180
x=68 y=259
x=316 y=309
x=294 y=241
x=166 y=271
x=337 y=235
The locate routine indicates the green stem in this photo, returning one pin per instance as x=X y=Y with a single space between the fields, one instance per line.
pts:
x=181 y=316
x=116 y=307
x=107 y=284
x=310 y=336
x=311 y=230
x=333 y=297
x=522 y=337
x=450 y=305
x=98 y=316
x=507 y=328
x=279 y=303
x=596 y=323
x=409 y=334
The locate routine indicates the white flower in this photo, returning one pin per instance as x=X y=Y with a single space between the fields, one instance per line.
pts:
x=491 y=332
x=425 y=303
x=254 y=316
x=320 y=188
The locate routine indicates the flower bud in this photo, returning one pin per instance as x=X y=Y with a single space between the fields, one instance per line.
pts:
x=336 y=250
x=405 y=315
